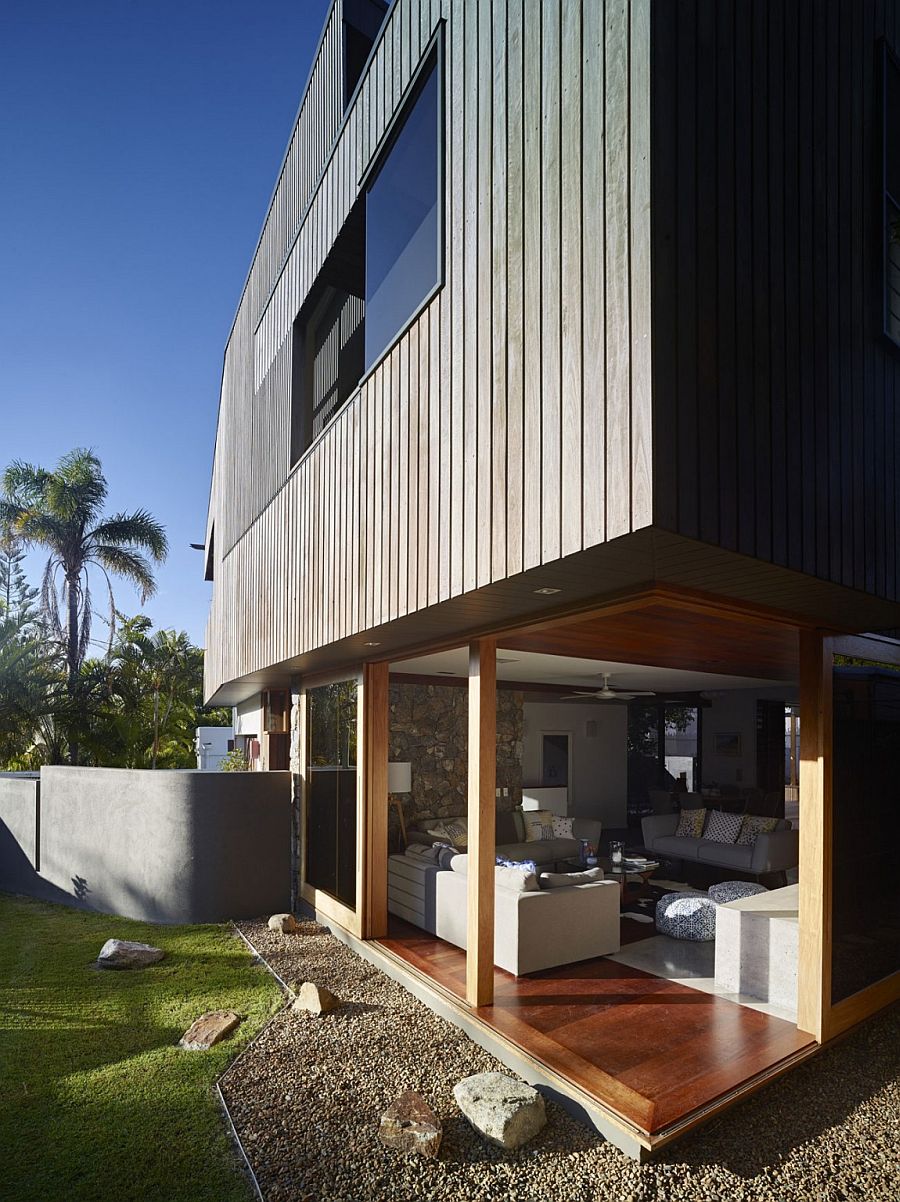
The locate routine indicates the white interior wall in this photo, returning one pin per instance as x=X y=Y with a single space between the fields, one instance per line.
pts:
x=598 y=788
x=734 y=712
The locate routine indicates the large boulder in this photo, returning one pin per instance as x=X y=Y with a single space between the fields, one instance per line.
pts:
x=208 y=1029
x=315 y=999
x=410 y=1125
x=505 y=1111
x=123 y=953
x=285 y=924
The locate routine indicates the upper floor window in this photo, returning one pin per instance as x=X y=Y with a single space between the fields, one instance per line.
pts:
x=384 y=264
x=362 y=21
x=403 y=221
x=891 y=148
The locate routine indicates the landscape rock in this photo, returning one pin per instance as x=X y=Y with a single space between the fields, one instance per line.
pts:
x=285 y=923
x=208 y=1029
x=123 y=953
x=315 y=999
x=505 y=1111
x=410 y=1125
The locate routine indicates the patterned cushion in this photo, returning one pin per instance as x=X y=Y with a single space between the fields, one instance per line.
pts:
x=562 y=827
x=690 y=824
x=728 y=891
x=687 y=916
x=453 y=830
x=753 y=826
x=538 y=825
x=721 y=827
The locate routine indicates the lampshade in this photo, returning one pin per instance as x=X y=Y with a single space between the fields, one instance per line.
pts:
x=399 y=778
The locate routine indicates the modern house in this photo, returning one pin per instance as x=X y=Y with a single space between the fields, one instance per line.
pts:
x=556 y=468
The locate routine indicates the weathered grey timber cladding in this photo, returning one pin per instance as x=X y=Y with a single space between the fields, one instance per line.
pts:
x=775 y=395
x=510 y=424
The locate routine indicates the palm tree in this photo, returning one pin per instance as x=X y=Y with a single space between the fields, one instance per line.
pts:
x=61 y=510
x=165 y=665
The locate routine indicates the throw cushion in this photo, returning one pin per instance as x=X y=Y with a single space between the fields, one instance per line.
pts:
x=558 y=880
x=517 y=878
x=754 y=825
x=538 y=825
x=721 y=827
x=690 y=824
x=452 y=830
x=562 y=827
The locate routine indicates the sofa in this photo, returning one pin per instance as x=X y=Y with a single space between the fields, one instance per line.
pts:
x=532 y=929
x=775 y=851
x=511 y=839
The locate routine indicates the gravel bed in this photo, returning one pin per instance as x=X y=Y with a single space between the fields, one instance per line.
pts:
x=307 y=1096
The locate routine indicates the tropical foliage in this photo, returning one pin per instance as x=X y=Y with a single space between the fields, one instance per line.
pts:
x=61 y=511
x=136 y=705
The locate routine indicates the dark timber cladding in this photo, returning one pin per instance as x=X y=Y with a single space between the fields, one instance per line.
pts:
x=509 y=425
x=774 y=391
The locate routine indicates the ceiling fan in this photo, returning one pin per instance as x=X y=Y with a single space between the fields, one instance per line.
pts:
x=608 y=693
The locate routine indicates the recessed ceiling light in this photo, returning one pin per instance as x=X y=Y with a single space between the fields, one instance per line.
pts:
x=547 y=592
x=507 y=660
x=372 y=644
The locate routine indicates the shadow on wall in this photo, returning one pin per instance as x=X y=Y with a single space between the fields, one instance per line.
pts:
x=18 y=874
x=169 y=847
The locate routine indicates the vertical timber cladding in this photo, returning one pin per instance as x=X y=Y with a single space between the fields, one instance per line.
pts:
x=775 y=392
x=510 y=424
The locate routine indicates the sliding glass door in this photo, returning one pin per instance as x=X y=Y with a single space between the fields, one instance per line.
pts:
x=331 y=790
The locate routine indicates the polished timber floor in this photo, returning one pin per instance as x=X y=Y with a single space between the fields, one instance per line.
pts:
x=653 y=1050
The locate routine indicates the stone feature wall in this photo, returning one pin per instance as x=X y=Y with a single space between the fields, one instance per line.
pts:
x=429 y=729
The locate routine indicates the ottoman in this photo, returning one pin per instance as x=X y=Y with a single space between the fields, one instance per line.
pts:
x=729 y=891
x=687 y=916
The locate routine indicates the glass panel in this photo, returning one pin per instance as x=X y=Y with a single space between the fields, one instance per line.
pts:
x=865 y=897
x=331 y=790
x=402 y=252
x=681 y=747
x=645 y=775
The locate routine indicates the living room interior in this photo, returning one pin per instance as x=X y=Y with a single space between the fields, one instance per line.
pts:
x=598 y=756
x=591 y=749
x=663 y=986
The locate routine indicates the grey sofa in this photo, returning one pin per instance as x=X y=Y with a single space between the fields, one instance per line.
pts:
x=532 y=930
x=511 y=842
x=774 y=852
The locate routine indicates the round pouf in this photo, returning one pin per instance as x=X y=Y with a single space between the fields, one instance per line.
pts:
x=728 y=891
x=687 y=916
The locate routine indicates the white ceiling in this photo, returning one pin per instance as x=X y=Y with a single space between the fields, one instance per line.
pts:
x=540 y=668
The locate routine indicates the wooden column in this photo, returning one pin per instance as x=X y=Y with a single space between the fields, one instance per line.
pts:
x=482 y=821
x=375 y=726
x=816 y=737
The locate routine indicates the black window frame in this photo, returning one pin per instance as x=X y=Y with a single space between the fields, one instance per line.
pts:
x=432 y=60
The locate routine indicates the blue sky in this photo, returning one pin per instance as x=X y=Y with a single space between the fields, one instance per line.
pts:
x=139 y=144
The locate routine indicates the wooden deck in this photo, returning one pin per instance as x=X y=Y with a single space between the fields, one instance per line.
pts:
x=654 y=1052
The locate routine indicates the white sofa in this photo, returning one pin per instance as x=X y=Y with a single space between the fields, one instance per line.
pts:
x=776 y=851
x=532 y=930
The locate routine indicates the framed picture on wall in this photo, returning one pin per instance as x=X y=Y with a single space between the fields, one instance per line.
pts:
x=727 y=743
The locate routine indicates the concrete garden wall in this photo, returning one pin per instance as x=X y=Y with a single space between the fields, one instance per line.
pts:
x=163 y=846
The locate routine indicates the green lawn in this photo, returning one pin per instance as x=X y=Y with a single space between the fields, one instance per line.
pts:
x=96 y=1099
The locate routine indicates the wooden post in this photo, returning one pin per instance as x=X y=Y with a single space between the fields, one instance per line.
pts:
x=482 y=822
x=816 y=737
x=375 y=728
